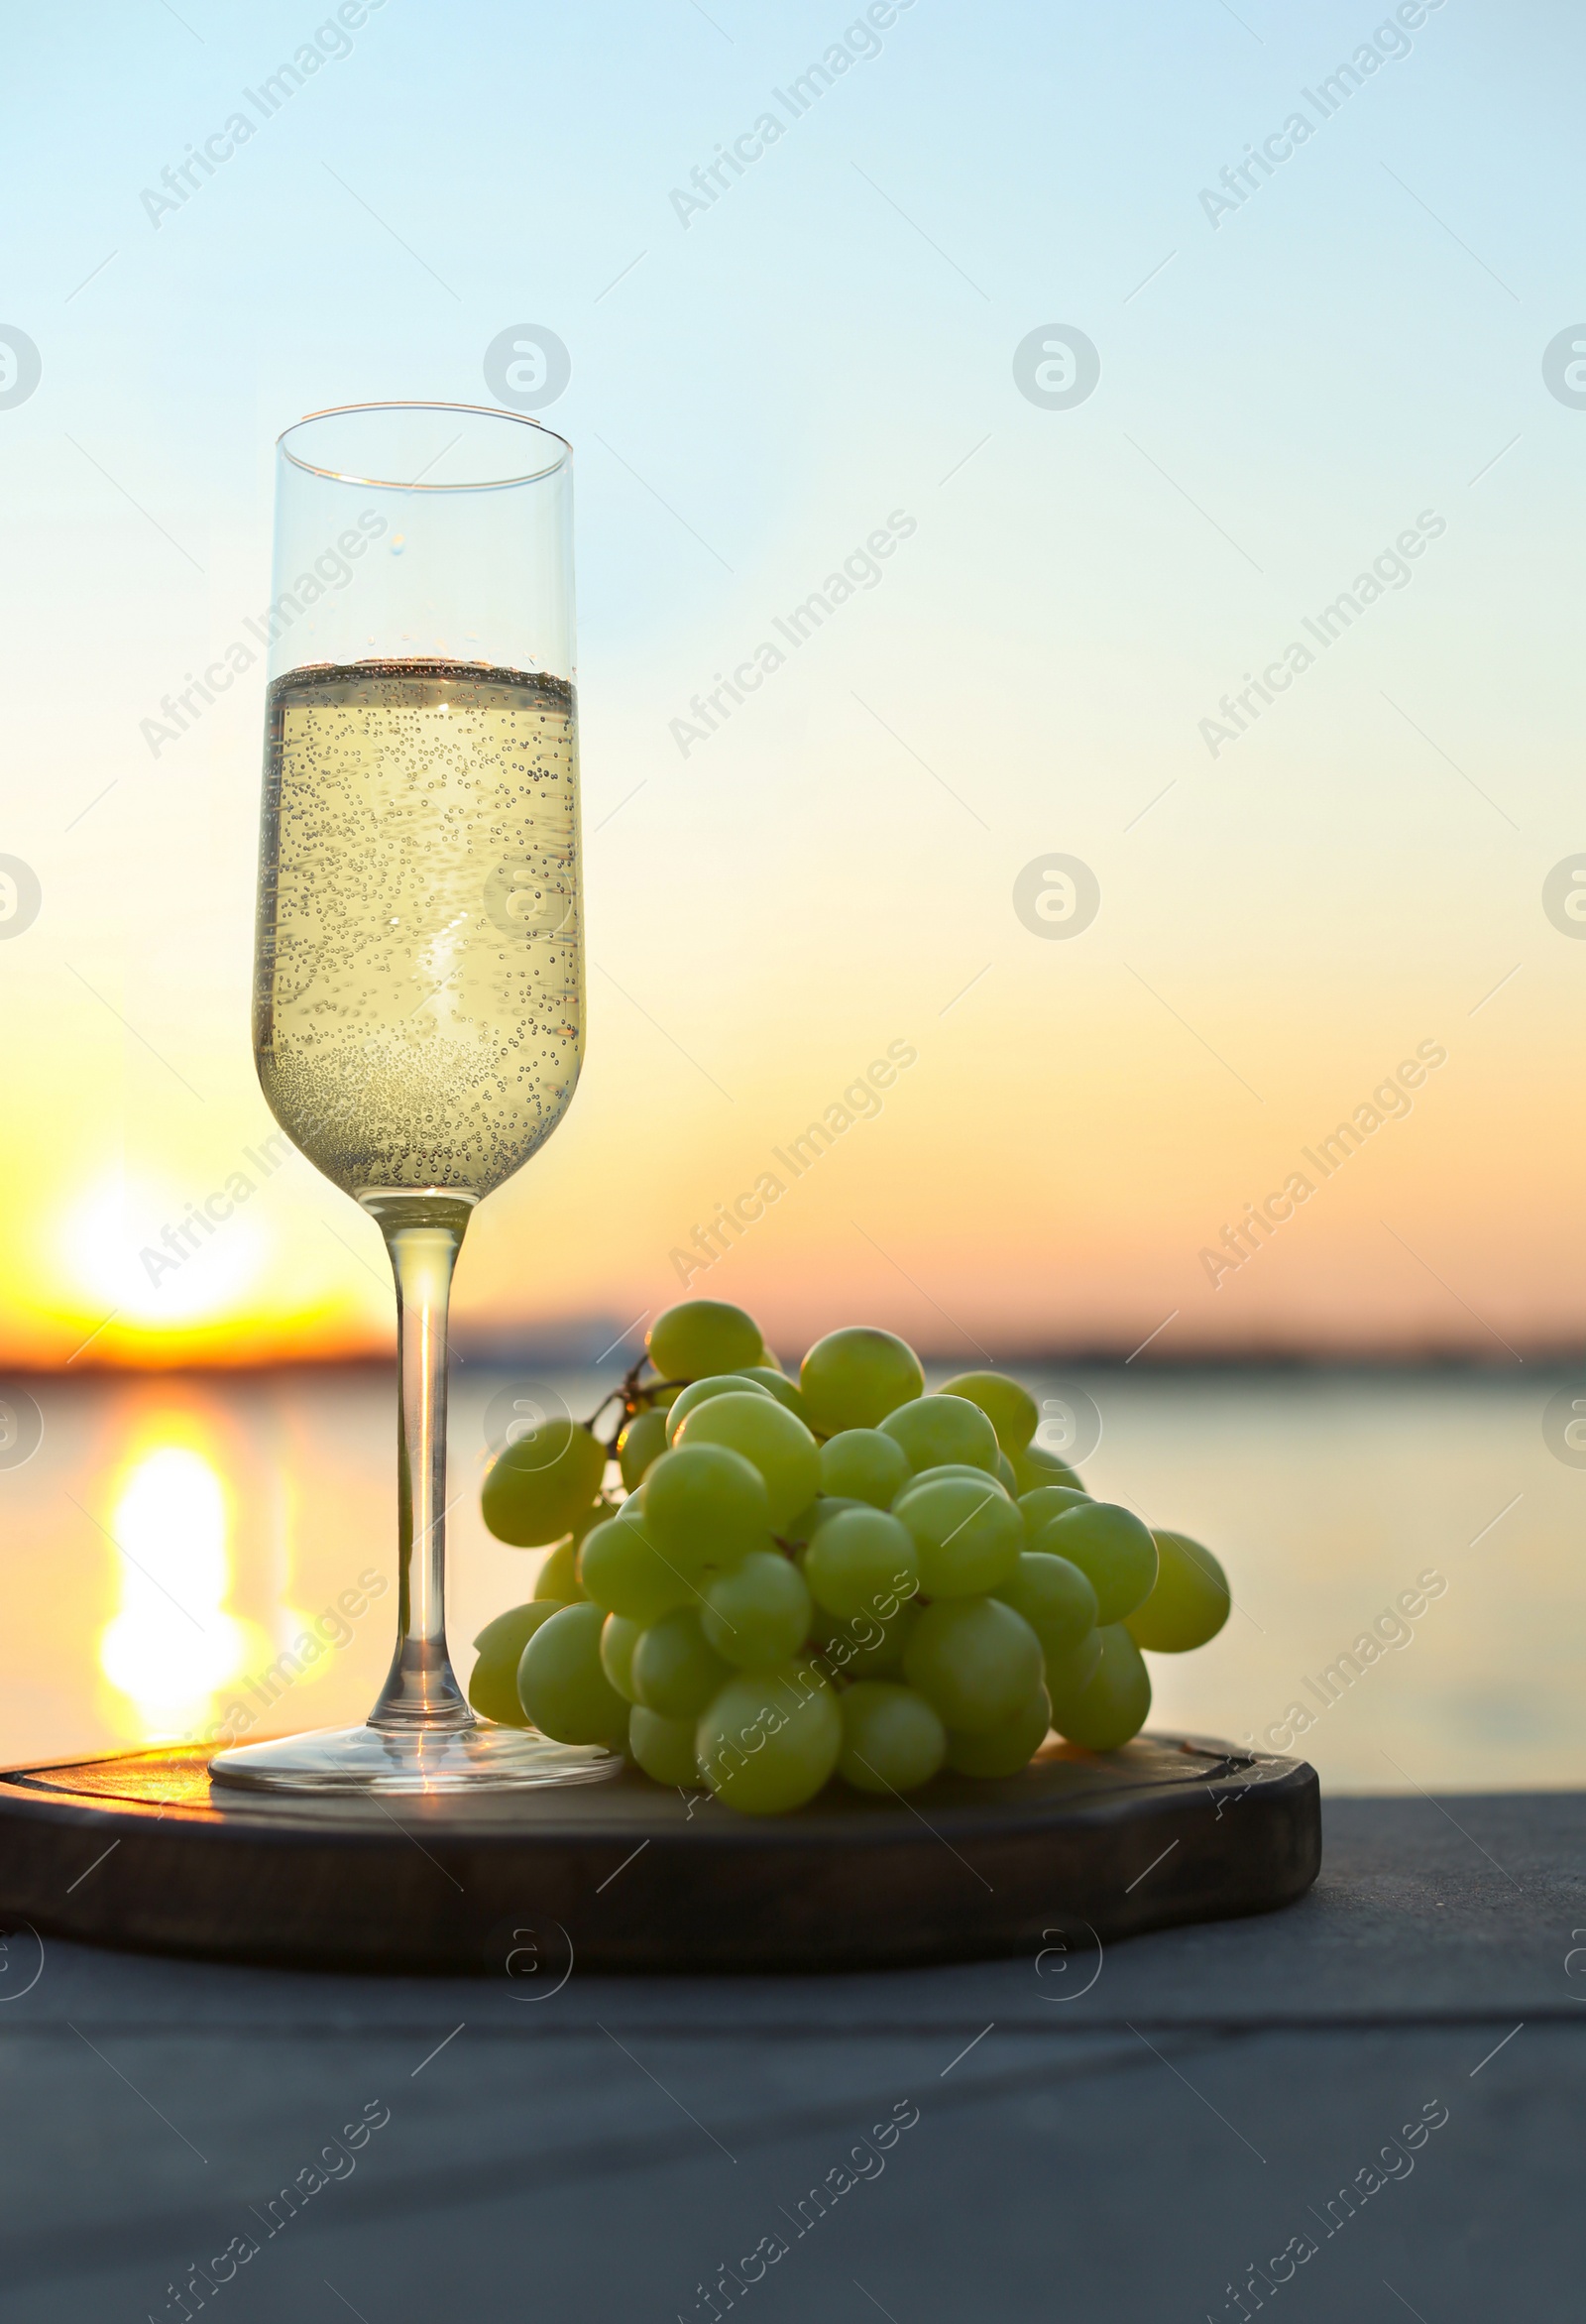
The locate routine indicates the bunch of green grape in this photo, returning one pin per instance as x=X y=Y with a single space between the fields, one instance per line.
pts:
x=842 y=1576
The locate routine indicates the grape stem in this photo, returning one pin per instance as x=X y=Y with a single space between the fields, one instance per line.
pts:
x=632 y=1397
x=598 y=1409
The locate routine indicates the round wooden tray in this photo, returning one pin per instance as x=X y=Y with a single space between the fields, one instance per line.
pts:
x=139 y=1851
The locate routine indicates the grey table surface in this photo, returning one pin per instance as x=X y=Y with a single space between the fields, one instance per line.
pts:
x=1079 y=2138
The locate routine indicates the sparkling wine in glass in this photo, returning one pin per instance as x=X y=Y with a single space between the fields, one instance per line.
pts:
x=419 y=979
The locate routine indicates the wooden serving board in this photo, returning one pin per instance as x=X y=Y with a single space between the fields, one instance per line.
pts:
x=139 y=1851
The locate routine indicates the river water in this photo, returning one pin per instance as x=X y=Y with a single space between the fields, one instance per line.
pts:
x=170 y=1536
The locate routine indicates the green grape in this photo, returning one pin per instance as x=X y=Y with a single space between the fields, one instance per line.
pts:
x=1070 y=1673
x=770 y=1377
x=493 y=1684
x=1037 y=1466
x=676 y=1671
x=867 y=1645
x=968 y=1537
x=1116 y=1703
x=1006 y=1476
x=936 y=1430
x=858 y=1559
x=562 y=1686
x=803 y=1527
x=863 y=1464
x=537 y=1488
x=642 y=1441
x=1048 y=1501
x=853 y=1379
x=1114 y=1547
x=771 y=1739
x=930 y=1476
x=701 y=1392
x=1189 y=1604
x=774 y=1440
x=663 y=1748
x=706 y=1505
x=1009 y=1408
x=701 y=1335
x=1007 y=1749
x=619 y=1637
x=1055 y=1598
x=759 y=1612
x=975 y=1660
x=892 y=1739
x=557 y=1580
x=622 y=1572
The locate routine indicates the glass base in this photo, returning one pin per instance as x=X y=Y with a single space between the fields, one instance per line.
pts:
x=351 y=1760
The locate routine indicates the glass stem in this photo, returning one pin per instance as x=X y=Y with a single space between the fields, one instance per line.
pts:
x=423 y=1234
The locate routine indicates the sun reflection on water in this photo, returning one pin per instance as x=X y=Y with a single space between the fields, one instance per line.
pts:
x=172 y=1643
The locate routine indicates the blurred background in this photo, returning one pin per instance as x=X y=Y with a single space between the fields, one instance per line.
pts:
x=1204 y=751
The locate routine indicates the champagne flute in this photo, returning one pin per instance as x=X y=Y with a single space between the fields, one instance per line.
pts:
x=418 y=976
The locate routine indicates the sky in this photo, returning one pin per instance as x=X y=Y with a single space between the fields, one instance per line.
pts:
x=1130 y=425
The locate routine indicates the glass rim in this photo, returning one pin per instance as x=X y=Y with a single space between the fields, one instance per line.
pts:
x=559 y=459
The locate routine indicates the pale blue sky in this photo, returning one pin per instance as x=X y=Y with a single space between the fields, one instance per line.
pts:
x=750 y=396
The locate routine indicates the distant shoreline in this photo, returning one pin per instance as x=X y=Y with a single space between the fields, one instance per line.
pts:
x=1537 y=1363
